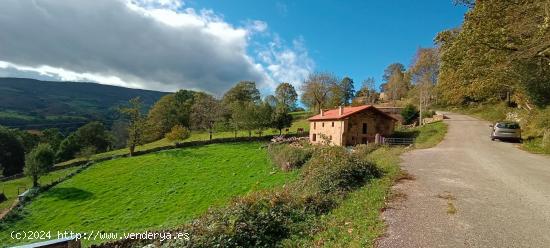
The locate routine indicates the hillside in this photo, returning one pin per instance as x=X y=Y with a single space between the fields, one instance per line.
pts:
x=35 y=104
x=150 y=192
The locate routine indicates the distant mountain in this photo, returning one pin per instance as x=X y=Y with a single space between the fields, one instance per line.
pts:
x=34 y=104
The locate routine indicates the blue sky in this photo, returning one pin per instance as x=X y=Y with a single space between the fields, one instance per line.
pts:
x=210 y=45
x=354 y=38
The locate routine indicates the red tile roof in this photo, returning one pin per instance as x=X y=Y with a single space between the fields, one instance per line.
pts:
x=334 y=114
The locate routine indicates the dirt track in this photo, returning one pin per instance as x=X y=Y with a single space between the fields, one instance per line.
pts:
x=470 y=191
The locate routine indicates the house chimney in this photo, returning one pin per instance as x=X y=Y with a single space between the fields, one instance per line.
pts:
x=322 y=112
x=341 y=110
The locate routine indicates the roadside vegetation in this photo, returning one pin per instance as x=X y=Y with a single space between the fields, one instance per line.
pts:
x=153 y=191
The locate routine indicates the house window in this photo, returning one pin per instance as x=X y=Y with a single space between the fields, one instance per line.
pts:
x=323 y=124
x=314 y=125
x=350 y=125
x=330 y=137
x=314 y=137
x=364 y=128
x=333 y=124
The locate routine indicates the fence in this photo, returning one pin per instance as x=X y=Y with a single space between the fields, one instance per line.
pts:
x=397 y=141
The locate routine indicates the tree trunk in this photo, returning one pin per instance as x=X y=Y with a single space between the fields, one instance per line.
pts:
x=235 y=134
x=249 y=133
x=210 y=134
x=280 y=131
x=35 y=181
x=132 y=149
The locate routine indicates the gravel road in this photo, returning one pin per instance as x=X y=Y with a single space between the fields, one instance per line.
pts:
x=470 y=191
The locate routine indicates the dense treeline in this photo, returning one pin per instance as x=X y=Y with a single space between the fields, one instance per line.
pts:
x=502 y=50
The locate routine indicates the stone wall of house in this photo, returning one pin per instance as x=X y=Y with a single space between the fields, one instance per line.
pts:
x=329 y=129
x=350 y=131
x=375 y=123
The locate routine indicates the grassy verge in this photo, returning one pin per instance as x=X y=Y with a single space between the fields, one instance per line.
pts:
x=356 y=222
x=153 y=191
x=12 y=187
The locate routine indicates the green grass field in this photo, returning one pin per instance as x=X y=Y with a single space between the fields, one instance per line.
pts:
x=152 y=191
x=300 y=121
x=13 y=187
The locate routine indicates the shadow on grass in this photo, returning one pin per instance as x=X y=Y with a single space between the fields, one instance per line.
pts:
x=69 y=194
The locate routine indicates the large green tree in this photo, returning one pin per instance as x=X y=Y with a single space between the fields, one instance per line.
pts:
x=502 y=49
x=286 y=94
x=170 y=110
x=242 y=92
x=12 y=153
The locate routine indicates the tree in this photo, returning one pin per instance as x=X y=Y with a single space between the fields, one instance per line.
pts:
x=409 y=113
x=281 y=118
x=348 y=90
x=94 y=134
x=367 y=94
x=424 y=72
x=317 y=90
x=136 y=124
x=502 y=52
x=178 y=132
x=396 y=86
x=242 y=92
x=169 y=111
x=38 y=162
x=262 y=117
x=244 y=117
x=53 y=137
x=12 y=153
x=205 y=112
x=68 y=148
x=286 y=94
x=271 y=100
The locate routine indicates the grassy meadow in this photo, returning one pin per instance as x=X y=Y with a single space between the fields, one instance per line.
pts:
x=11 y=188
x=150 y=192
x=299 y=121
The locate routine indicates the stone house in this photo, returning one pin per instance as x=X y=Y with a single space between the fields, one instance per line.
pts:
x=347 y=126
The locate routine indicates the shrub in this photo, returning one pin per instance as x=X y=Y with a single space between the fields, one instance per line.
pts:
x=288 y=157
x=333 y=169
x=428 y=114
x=409 y=113
x=261 y=219
x=178 y=132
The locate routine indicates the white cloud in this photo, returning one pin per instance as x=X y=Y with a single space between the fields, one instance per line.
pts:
x=152 y=44
x=286 y=64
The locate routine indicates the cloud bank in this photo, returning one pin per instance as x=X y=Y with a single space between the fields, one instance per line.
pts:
x=150 y=44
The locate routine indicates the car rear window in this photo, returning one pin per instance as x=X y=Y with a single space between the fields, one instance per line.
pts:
x=508 y=125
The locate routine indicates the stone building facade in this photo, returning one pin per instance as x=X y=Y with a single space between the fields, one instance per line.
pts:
x=347 y=126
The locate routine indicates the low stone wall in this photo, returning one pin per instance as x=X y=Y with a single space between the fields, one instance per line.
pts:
x=434 y=118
